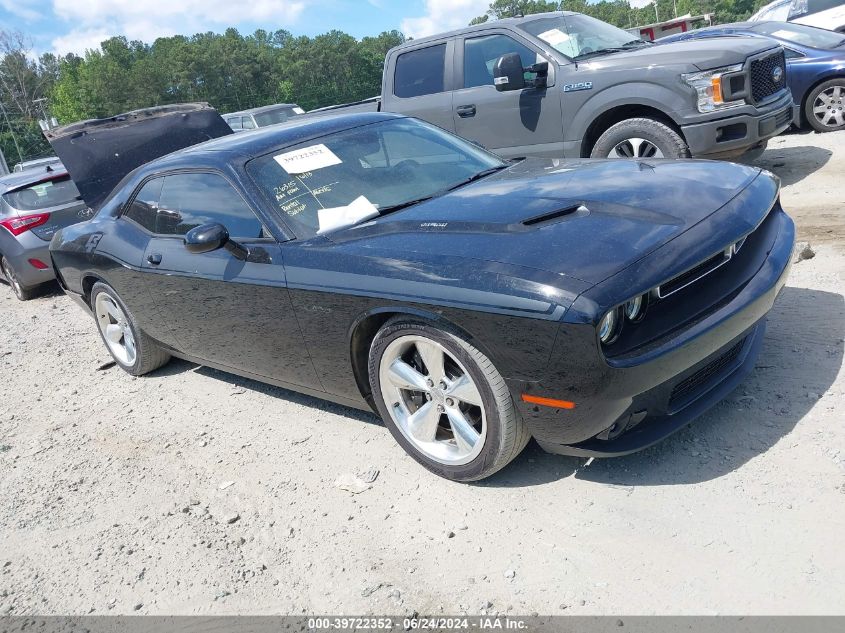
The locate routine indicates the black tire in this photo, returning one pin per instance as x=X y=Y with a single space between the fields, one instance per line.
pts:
x=810 y=100
x=658 y=134
x=149 y=356
x=506 y=434
x=23 y=293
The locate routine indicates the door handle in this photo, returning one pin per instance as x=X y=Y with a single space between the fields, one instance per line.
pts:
x=466 y=111
x=154 y=258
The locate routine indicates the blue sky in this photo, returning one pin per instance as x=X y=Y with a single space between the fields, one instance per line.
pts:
x=64 y=26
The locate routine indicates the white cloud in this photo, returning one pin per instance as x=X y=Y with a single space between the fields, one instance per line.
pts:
x=639 y=4
x=96 y=20
x=78 y=41
x=15 y=8
x=444 y=15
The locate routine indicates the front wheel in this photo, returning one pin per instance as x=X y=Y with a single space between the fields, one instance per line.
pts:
x=824 y=106
x=640 y=138
x=444 y=401
x=134 y=351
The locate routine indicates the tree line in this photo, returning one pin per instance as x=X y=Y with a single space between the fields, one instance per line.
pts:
x=232 y=71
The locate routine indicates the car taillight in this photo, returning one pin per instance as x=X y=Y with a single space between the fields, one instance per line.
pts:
x=24 y=223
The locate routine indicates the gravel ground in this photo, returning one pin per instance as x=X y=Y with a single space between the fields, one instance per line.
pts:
x=191 y=491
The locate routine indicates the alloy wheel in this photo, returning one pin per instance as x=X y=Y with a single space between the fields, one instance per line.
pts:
x=635 y=148
x=829 y=107
x=433 y=400
x=114 y=326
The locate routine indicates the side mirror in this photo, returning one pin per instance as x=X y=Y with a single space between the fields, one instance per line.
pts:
x=206 y=238
x=210 y=237
x=541 y=69
x=507 y=73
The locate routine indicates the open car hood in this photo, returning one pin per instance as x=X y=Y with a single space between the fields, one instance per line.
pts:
x=98 y=153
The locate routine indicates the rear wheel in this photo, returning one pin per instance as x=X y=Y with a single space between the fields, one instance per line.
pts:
x=444 y=401
x=134 y=351
x=824 y=106
x=640 y=138
x=24 y=293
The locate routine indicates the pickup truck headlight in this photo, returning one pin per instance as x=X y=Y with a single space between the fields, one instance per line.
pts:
x=708 y=85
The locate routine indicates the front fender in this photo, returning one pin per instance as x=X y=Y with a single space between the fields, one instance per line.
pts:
x=628 y=94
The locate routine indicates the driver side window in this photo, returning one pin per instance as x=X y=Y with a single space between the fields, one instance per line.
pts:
x=190 y=200
x=481 y=53
x=175 y=204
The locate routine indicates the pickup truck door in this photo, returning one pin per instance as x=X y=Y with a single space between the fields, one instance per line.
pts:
x=518 y=123
x=421 y=83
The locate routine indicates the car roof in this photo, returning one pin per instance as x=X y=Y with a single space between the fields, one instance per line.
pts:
x=263 y=140
x=31 y=176
x=486 y=25
x=260 y=109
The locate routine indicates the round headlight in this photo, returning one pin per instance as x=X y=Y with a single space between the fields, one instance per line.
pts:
x=607 y=326
x=634 y=308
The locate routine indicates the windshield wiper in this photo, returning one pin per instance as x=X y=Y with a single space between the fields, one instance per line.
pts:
x=409 y=203
x=478 y=176
x=613 y=49
x=600 y=51
x=403 y=205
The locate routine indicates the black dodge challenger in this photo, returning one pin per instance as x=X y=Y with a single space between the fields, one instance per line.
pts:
x=379 y=262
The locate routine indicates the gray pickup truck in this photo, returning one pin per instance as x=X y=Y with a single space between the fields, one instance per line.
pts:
x=567 y=85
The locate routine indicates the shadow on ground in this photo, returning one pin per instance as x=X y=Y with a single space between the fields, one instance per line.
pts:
x=178 y=366
x=793 y=164
x=802 y=354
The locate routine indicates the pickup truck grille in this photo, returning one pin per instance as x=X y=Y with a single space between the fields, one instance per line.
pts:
x=763 y=76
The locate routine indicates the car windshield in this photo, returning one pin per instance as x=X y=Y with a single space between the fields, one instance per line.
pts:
x=278 y=115
x=43 y=195
x=345 y=178
x=774 y=11
x=800 y=34
x=579 y=35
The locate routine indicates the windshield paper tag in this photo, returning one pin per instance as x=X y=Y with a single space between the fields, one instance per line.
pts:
x=298 y=110
x=307 y=159
x=561 y=41
x=358 y=210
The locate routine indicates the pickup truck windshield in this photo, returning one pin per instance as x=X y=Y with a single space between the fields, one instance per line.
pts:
x=579 y=35
x=279 y=115
x=345 y=178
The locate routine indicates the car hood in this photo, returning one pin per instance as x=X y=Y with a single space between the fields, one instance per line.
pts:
x=700 y=54
x=586 y=219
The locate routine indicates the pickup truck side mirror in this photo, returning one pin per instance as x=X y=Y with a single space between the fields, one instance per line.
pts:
x=209 y=237
x=508 y=73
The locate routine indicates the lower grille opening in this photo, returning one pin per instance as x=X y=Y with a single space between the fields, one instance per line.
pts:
x=693 y=384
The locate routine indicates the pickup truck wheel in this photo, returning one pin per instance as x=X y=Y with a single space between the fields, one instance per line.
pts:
x=640 y=138
x=824 y=107
x=443 y=400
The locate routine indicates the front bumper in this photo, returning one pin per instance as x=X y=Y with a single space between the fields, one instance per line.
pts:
x=636 y=406
x=736 y=134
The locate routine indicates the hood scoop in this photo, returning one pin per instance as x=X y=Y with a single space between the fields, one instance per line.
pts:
x=575 y=210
